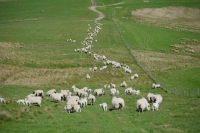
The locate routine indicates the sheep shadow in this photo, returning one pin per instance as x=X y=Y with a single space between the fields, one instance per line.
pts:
x=111 y=109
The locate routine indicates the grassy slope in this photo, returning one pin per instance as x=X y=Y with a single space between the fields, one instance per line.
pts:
x=42 y=63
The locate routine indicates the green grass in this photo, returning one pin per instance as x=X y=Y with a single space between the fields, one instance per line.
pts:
x=36 y=55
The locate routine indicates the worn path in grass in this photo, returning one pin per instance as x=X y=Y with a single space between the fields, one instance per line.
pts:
x=93 y=8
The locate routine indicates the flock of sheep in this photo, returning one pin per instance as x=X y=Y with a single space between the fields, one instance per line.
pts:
x=79 y=98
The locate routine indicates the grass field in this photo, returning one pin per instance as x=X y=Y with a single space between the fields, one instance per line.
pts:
x=35 y=54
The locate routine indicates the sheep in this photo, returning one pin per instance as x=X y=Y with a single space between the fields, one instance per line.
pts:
x=104 y=106
x=65 y=93
x=154 y=86
x=123 y=84
x=94 y=68
x=76 y=98
x=21 y=101
x=129 y=90
x=150 y=97
x=134 y=76
x=113 y=85
x=27 y=102
x=34 y=100
x=38 y=93
x=2 y=100
x=83 y=102
x=87 y=76
x=127 y=70
x=102 y=68
x=118 y=103
x=90 y=90
x=99 y=92
x=72 y=105
x=136 y=92
x=91 y=99
x=50 y=92
x=113 y=91
x=155 y=106
x=142 y=104
x=57 y=97
x=157 y=98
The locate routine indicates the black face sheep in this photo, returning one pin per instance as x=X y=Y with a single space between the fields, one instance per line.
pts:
x=118 y=103
x=39 y=93
x=91 y=99
x=50 y=92
x=142 y=104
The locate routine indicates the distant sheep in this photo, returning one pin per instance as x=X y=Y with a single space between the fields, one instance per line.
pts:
x=34 y=100
x=103 y=106
x=155 y=106
x=154 y=86
x=99 y=92
x=91 y=99
x=134 y=76
x=38 y=93
x=123 y=84
x=87 y=76
x=114 y=91
x=57 y=97
x=50 y=92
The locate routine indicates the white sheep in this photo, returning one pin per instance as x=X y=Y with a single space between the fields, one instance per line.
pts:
x=114 y=91
x=134 y=76
x=142 y=104
x=129 y=90
x=118 y=103
x=154 y=86
x=123 y=84
x=99 y=92
x=65 y=93
x=57 y=97
x=76 y=98
x=87 y=76
x=149 y=97
x=50 y=92
x=72 y=105
x=91 y=99
x=94 y=68
x=83 y=102
x=155 y=106
x=38 y=93
x=34 y=100
x=157 y=98
x=21 y=101
x=104 y=106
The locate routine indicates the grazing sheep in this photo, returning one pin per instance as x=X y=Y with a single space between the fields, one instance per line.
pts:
x=76 y=98
x=157 y=98
x=114 y=91
x=154 y=86
x=118 y=103
x=87 y=76
x=91 y=99
x=50 y=92
x=65 y=93
x=99 y=92
x=123 y=84
x=104 y=106
x=150 y=97
x=155 y=106
x=38 y=93
x=57 y=97
x=34 y=100
x=129 y=90
x=82 y=102
x=21 y=101
x=142 y=104
x=72 y=105
x=134 y=76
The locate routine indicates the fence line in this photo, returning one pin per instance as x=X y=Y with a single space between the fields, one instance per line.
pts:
x=177 y=91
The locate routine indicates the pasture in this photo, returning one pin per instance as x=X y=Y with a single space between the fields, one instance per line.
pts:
x=35 y=54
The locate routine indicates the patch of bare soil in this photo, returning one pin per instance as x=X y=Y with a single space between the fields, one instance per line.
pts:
x=155 y=61
x=187 y=46
x=182 y=17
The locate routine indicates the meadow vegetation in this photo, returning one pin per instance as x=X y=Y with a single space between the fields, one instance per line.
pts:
x=35 y=54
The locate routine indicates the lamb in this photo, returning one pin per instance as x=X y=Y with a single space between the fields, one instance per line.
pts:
x=104 y=106
x=134 y=76
x=57 y=97
x=87 y=76
x=39 y=93
x=155 y=106
x=123 y=84
x=142 y=104
x=50 y=92
x=118 y=103
x=34 y=100
x=114 y=91
x=154 y=86
x=129 y=90
x=91 y=99
x=2 y=100
x=82 y=102
x=99 y=92
x=21 y=101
